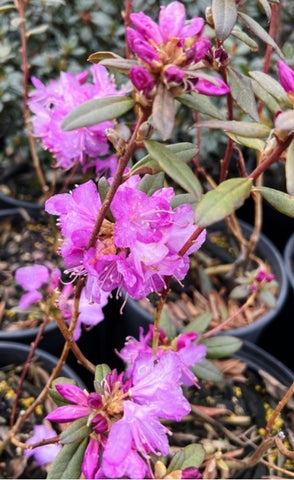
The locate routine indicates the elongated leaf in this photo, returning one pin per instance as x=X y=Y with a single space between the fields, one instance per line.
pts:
x=177 y=170
x=200 y=103
x=222 y=201
x=267 y=8
x=185 y=152
x=37 y=30
x=181 y=198
x=76 y=431
x=163 y=112
x=96 y=111
x=245 y=129
x=101 y=371
x=255 y=28
x=7 y=8
x=68 y=462
x=289 y=169
x=150 y=183
x=189 y=456
x=224 y=13
x=281 y=201
x=222 y=346
x=242 y=92
x=118 y=64
x=285 y=121
x=199 y=324
x=206 y=370
x=238 y=33
x=98 y=56
x=272 y=86
x=266 y=98
x=255 y=143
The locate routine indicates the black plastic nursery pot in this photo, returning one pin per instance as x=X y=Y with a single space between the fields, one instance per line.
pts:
x=20 y=206
x=136 y=316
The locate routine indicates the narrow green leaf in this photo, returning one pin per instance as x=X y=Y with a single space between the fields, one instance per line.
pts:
x=189 y=456
x=185 y=152
x=224 y=13
x=222 y=201
x=206 y=370
x=254 y=143
x=181 y=198
x=7 y=8
x=177 y=170
x=68 y=462
x=245 y=129
x=268 y=298
x=76 y=431
x=199 y=324
x=200 y=103
x=267 y=8
x=255 y=28
x=222 y=346
x=281 y=201
x=36 y=31
x=101 y=371
x=242 y=92
x=56 y=397
x=118 y=64
x=289 y=169
x=167 y=325
x=163 y=112
x=98 y=56
x=97 y=110
x=240 y=35
x=151 y=183
x=285 y=121
x=269 y=101
x=272 y=86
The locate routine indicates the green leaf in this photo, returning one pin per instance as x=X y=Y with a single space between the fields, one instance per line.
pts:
x=245 y=129
x=240 y=292
x=177 y=170
x=206 y=370
x=59 y=399
x=254 y=143
x=119 y=64
x=242 y=93
x=178 y=200
x=96 y=111
x=238 y=33
x=255 y=28
x=289 y=169
x=151 y=183
x=281 y=201
x=185 y=152
x=199 y=324
x=7 y=8
x=221 y=346
x=268 y=298
x=163 y=112
x=36 y=31
x=265 y=97
x=217 y=204
x=224 y=13
x=167 y=325
x=267 y=8
x=200 y=103
x=98 y=56
x=68 y=462
x=101 y=371
x=285 y=121
x=270 y=85
x=76 y=431
x=189 y=456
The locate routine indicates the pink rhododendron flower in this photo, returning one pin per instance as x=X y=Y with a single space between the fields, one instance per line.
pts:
x=125 y=416
x=46 y=453
x=136 y=251
x=184 y=348
x=50 y=104
x=168 y=52
x=33 y=277
x=286 y=76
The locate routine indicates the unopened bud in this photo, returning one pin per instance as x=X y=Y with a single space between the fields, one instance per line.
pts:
x=145 y=131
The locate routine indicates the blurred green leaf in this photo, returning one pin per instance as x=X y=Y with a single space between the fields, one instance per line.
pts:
x=285 y=121
x=256 y=28
x=96 y=111
x=206 y=370
x=222 y=346
x=224 y=13
x=268 y=298
x=289 y=169
x=151 y=183
x=175 y=168
x=255 y=143
x=67 y=463
x=163 y=112
x=37 y=30
x=267 y=8
x=98 y=56
x=101 y=371
x=199 y=324
x=200 y=103
x=242 y=92
x=119 y=64
x=217 y=204
x=238 y=33
x=269 y=101
x=245 y=129
x=270 y=85
x=281 y=201
x=189 y=456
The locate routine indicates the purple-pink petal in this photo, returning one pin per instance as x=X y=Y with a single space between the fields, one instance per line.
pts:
x=32 y=277
x=43 y=454
x=29 y=298
x=286 y=76
x=68 y=413
x=215 y=88
x=91 y=459
x=72 y=393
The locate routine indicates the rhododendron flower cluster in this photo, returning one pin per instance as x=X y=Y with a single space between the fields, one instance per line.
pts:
x=169 y=52
x=43 y=455
x=124 y=416
x=50 y=104
x=137 y=250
